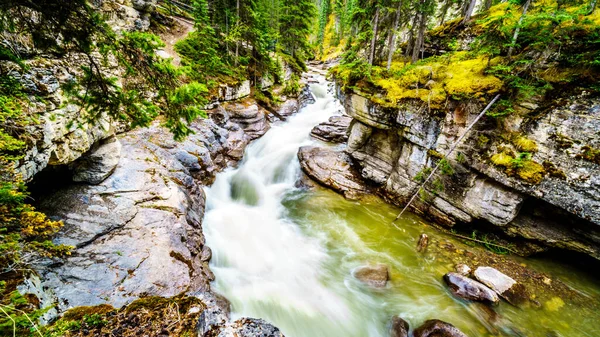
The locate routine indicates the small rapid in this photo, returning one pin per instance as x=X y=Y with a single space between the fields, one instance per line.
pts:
x=262 y=261
x=285 y=254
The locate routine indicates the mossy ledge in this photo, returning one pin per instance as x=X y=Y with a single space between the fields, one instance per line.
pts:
x=149 y=316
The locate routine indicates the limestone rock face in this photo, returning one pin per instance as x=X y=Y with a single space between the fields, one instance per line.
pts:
x=249 y=117
x=469 y=289
x=64 y=133
x=394 y=148
x=372 y=275
x=98 y=163
x=229 y=92
x=138 y=232
x=335 y=130
x=333 y=169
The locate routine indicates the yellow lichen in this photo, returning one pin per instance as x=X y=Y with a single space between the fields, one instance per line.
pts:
x=331 y=50
x=525 y=144
x=467 y=78
x=502 y=159
x=531 y=171
x=434 y=80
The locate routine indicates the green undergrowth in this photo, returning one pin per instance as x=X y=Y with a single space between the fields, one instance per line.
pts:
x=558 y=46
x=520 y=165
x=149 y=316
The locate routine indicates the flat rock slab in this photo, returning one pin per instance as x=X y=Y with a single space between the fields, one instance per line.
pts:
x=372 y=275
x=515 y=293
x=335 y=130
x=469 y=289
x=333 y=169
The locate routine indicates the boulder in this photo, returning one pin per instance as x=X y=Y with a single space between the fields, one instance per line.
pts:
x=437 y=328
x=466 y=288
x=306 y=97
x=515 y=293
x=333 y=169
x=372 y=275
x=96 y=165
x=289 y=107
x=144 y=5
x=399 y=327
x=462 y=269
x=249 y=117
x=334 y=130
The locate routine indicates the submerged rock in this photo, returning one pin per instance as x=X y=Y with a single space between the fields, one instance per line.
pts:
x=437 y=328
x=372 y=275
x=469 y=289
x=423 y=243
x=515 y=293
x=399 y=327
x=333 y=169
x=462 y=269
x=335 y=130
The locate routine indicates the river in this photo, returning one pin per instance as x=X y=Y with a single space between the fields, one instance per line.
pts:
x=286 y=254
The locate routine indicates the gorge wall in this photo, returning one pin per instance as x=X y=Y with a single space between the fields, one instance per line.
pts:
x=551 y=199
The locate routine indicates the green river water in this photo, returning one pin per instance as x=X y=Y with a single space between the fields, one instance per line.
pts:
x=286 y=254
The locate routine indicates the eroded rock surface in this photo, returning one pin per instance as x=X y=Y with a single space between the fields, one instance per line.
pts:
x=252 y=119
x=469 y=289
x=96 y=165
x=333 y=169
x=335 y=130
x=502 y=284
x=395 y=148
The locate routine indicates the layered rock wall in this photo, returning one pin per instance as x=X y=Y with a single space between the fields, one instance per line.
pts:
x=396 y=149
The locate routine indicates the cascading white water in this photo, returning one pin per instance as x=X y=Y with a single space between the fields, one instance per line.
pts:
x=286 y=254
x=262 y=262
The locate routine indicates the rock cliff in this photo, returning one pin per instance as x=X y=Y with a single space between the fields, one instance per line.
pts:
x=548 y=192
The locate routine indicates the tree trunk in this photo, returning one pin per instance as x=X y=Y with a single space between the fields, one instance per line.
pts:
x=469 y=11
x=511 y=49
x=373 y=40
x=237 y=24
x=487 y=4
x=420 y=37
x=392 y=40
x=444 y=11
x=411 y=37
x=592 y=6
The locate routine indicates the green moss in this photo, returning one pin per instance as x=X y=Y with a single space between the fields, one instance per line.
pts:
x=435 y=80
x=502 y=159
x=79 y=313
x=590 y=154
x=521 y=166
x=553 y=171
x=531 y=171
x=525 y=144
